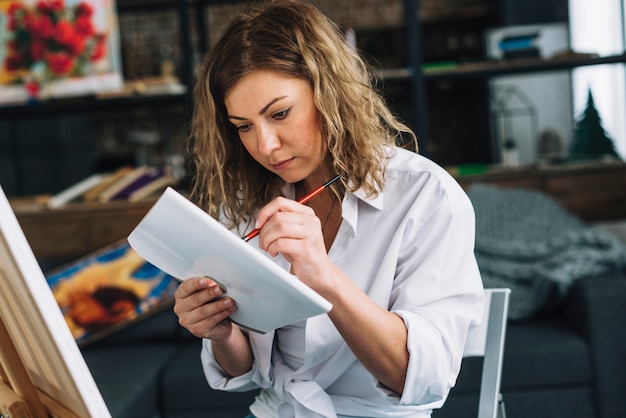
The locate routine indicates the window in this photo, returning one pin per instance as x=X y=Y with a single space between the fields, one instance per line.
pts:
x=597 y=26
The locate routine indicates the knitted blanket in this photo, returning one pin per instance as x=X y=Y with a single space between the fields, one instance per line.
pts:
x=527 y=242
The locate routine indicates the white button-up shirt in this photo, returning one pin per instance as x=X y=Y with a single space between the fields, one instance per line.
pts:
x=411 y=249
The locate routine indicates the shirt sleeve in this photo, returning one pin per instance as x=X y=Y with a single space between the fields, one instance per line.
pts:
x=217 y=377
x=438 y=293
x=257 y=377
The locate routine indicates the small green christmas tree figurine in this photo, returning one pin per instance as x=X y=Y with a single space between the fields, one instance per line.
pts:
x=590 y=140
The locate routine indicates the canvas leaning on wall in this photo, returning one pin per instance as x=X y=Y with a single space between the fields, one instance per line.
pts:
x=108 y=290
x=58 y=48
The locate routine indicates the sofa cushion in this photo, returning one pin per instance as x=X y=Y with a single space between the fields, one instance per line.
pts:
x=546 y=372
x=596 y=307
x=186 y=393
x=546 y=403
x=539 y=352
x=127 y=376
x=545 y=352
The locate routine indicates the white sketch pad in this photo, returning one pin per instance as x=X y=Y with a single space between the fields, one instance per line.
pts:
x=184 y=241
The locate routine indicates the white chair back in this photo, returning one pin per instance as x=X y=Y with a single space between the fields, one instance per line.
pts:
x=487 y=341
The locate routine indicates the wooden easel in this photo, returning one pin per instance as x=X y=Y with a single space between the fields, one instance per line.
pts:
x=19 y=397
x=42 y=372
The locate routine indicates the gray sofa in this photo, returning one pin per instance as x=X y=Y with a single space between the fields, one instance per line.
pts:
x=568 y=363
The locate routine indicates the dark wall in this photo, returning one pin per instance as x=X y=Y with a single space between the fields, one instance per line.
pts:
x=526 y=12
x=51 y=154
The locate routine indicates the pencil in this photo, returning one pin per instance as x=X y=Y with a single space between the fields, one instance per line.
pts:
x=302 y=200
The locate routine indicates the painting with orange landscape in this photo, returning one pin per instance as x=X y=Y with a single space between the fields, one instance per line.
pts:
x=109 y=290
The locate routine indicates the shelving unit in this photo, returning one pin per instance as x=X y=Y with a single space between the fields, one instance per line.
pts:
x=418 y=74
x=420 y=78
x=411 y=83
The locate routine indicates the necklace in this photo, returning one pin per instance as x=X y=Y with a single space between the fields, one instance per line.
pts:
x=332 y=206
x=327 y=217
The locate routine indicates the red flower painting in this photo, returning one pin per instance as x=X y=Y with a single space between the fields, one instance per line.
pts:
x=52 y=40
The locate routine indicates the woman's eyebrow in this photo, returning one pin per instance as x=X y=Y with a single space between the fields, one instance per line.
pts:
x=262 y=111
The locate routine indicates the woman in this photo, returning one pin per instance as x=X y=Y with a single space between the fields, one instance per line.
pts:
x=282 y=105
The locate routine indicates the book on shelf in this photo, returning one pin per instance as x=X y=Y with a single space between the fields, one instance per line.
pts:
x=147 y=177
x=126 y=180
x=126 y=183
x=75 y=191
x=159 y=184
x=109 y=179
x=184 y=241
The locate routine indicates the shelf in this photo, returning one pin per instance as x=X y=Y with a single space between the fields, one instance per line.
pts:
x=134 y=5
x=397 y=74
x=521 y=66
x=77 y=229
x=162 y=4
x=88 y=103
x=591 y=191
x=490 y=69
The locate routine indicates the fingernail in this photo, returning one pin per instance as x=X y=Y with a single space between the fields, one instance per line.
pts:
x=202 y=282
x=227 y=302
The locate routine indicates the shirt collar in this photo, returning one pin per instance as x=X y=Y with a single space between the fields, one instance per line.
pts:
x=349 y=210
x=375 y=201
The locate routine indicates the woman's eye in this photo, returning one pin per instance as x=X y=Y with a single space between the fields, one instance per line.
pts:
x=282 y=114
x=243 y=128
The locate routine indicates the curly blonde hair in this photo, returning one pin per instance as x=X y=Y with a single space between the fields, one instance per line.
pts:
x=293 y=38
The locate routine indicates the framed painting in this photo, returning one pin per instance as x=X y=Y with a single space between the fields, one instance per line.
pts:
x=58 y=48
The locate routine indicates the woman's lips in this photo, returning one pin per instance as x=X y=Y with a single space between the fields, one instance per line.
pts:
x=282 y=164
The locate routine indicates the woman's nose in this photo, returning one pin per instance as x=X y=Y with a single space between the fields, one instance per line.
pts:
x=267 y=140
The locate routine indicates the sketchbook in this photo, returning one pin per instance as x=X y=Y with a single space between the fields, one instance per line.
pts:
x=184 y=241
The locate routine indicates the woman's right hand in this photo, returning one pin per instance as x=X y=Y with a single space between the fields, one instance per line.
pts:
x=202 y=310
